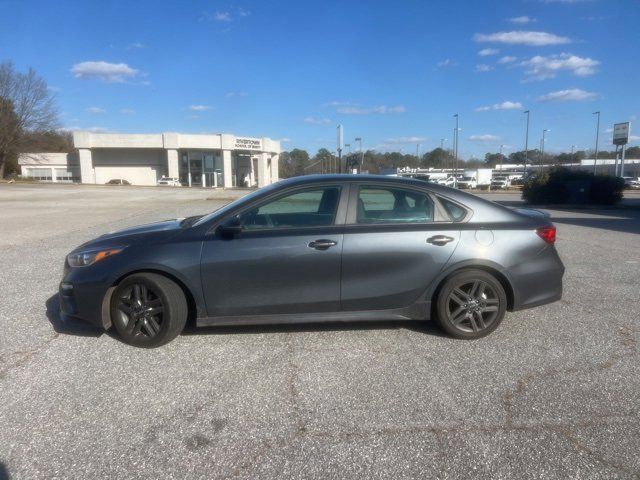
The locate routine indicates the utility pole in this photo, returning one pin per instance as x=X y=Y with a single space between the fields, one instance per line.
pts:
x=359 y=140
x=455 y=181
x=544 y=132
x=526 y=143
x=595 y=160
x=340 y=142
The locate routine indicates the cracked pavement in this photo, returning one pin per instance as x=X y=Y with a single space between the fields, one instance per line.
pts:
x=553 y=393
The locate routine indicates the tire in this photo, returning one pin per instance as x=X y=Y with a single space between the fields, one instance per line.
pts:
x=148 y=310
x=471 y=304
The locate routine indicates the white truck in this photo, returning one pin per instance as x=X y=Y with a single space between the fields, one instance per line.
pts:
x=476 y=178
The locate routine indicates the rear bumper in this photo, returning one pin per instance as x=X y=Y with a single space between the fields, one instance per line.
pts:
x=538 y=281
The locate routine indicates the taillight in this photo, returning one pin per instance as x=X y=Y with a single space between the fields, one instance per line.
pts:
x=548 y=234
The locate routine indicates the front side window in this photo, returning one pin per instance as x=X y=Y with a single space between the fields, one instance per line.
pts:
x=393 y=205
x=308 y=208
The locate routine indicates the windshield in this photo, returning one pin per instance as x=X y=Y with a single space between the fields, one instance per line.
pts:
x=231 y=206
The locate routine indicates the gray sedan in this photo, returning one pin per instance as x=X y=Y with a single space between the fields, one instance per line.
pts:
x=319 y=248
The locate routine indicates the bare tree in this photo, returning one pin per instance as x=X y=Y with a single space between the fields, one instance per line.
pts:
x=26 y=106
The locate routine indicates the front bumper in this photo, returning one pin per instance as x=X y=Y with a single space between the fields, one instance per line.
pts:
x=85 y=295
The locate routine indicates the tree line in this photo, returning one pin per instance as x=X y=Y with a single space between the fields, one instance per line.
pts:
x=298 y=161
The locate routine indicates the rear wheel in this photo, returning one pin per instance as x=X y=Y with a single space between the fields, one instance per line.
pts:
x=148 y=310
x=471 y=304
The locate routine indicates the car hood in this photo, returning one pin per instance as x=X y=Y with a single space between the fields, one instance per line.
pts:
x=141 y=233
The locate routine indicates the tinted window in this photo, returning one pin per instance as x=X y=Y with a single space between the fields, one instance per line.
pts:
x=309 y=208
x=455 y=211
x=393 y=205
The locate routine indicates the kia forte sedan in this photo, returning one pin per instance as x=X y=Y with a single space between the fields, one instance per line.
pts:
x=319 y=248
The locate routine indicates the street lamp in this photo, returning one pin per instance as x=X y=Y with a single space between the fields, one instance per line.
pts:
x=359 y=140
x=544 y=132
x=526 y=142
x=595 y=160
x=456 y=132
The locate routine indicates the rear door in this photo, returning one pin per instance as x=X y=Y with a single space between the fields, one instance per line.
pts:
x=396 y=241
x=285 y=260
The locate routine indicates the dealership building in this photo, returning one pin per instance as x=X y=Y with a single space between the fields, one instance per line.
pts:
x=217 y=160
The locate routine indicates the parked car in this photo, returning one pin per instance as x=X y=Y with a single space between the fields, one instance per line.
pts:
x=631 y=182
x=319 y=248
x=169 y=182
x=500 y=183
x=117 y=181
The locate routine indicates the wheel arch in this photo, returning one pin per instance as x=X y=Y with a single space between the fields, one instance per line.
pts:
x=188 y=294
x=488 y=267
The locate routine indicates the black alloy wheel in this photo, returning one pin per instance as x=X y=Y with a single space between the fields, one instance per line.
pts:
x=471 y=304
x=148 y=310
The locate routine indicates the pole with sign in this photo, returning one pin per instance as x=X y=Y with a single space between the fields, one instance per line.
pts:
x=621 y=133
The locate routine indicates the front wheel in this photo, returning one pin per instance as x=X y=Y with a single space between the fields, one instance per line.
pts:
x=471 y=304
x=148 y=310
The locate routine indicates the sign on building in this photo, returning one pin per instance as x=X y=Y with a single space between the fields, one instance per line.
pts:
x=621 y=133
x=248 y=143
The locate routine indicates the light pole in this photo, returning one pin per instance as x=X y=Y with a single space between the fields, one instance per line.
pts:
x=359 y=140
x=501 y=147
x=455 y=181
x=348 y=145
x=544 y=132
x=595 y=160
x=526 y=142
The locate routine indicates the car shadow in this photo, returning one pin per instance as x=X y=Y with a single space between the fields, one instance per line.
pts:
x=4 y=474
x=425 y=327
x=68 y=326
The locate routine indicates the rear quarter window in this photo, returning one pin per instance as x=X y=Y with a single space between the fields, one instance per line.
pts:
x=454 y=210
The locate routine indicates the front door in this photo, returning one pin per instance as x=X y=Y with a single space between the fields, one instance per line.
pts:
x=285 y=260
x=393 y=247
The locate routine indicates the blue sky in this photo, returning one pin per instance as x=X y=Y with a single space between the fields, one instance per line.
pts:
x=393 y=73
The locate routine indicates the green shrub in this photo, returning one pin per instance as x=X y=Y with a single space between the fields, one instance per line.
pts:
x=561 y=185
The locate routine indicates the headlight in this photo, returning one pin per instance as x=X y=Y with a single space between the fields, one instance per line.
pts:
x=89 y=257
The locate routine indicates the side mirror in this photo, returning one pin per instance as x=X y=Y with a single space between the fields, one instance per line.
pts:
x=231 y=227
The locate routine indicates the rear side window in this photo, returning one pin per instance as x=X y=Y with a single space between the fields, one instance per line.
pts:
x=455 y=211
x=393 y=205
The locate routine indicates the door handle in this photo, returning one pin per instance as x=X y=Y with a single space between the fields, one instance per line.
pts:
x=439 y=240
x=322 y=244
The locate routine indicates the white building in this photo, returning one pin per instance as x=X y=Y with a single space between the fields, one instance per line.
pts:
x=219 y=160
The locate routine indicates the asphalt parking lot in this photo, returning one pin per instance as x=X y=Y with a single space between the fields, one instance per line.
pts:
x=553 y=393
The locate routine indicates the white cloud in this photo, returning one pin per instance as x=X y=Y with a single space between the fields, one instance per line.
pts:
x=506 y=105
x=482 y=67
x=236 y=94
x=96 y=110
x=317 y=121
x=485 y=138
x=380 y=109
x=520 y=37
x=136 y=46
x=522 y=20
x=486 y=52
x=634 y=138
x=570 y=95
x=199 y=108
x=447 y=62
x=284 y=140
x=222 y=16
x=127 y=111
x=105 y=71
x=403 y=140
x=540 y=68
x=507 y=59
